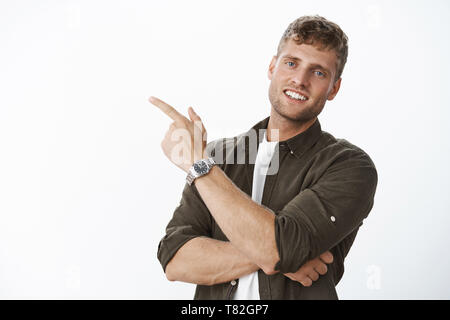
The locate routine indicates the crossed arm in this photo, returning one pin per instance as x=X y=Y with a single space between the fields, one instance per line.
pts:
x=254 y=231
x=207 y=261
x=249 y=226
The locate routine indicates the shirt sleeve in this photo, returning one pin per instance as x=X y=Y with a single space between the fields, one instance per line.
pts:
x=321 y=216
x=190 y=219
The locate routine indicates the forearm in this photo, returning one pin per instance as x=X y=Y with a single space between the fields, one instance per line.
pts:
x=248 y=225
x=207 y=261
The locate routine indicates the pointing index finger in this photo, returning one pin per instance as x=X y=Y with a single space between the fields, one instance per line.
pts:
x=167 y=109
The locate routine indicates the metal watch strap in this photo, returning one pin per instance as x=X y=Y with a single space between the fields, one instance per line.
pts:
x=190 y=177
x=192 y=174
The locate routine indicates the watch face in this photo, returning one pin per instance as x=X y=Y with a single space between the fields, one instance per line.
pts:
x=201 y=167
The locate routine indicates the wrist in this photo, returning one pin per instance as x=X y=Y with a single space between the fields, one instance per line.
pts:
x=203 y=176
x=199 y=169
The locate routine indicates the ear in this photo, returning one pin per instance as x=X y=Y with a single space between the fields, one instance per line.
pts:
x=272 y=67
x=334 y=90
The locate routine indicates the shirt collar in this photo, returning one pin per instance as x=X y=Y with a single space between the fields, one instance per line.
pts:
x=297 y=144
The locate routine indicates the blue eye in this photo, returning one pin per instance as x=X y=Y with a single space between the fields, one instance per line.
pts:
x=290 y=63
x=319 y=73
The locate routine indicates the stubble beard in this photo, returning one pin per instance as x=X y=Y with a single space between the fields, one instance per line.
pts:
x=305 y=115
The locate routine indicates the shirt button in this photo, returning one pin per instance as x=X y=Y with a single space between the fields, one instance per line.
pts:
x=333 y=218
x=233 y=283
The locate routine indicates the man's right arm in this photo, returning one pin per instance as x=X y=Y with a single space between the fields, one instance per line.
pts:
x=207 y=261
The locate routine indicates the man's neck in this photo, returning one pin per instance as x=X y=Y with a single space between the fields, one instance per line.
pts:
x=286 y=128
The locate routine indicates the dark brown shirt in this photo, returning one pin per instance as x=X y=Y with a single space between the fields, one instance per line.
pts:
x=323 y=189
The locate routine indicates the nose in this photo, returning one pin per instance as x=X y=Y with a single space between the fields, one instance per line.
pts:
x=300 y=79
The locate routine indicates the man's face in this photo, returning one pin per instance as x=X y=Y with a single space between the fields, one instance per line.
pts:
x=302 y=80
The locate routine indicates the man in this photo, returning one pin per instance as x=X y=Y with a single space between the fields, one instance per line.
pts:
x=241 y=232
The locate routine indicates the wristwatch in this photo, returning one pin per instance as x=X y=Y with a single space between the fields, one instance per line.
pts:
x=199 y=168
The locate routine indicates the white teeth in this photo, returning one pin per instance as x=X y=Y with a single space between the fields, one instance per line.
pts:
x=295 y=95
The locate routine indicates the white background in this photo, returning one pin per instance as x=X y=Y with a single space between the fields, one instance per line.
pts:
x=86 y=192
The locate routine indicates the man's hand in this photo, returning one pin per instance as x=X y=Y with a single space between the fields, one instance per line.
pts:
x=185 y=141
x=310 y=271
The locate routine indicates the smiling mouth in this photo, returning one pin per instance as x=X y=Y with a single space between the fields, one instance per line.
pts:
x=293 y=95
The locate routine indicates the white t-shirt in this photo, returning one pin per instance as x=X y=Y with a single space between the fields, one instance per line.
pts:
x=248 y=287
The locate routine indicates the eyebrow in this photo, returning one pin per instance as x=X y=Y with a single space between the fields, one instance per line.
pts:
x=314 y=66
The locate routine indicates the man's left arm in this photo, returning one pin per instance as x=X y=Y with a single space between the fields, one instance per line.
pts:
x=248 y=225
